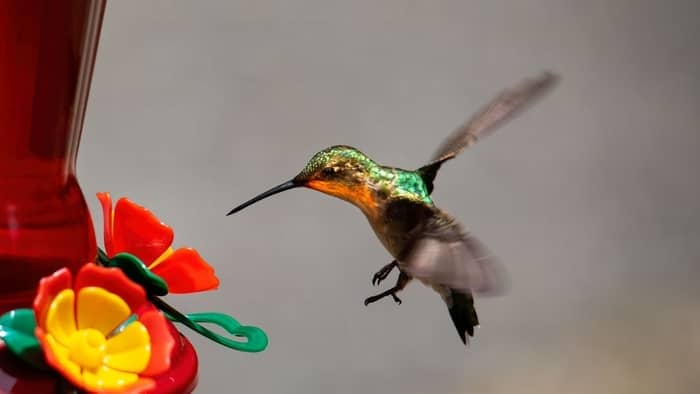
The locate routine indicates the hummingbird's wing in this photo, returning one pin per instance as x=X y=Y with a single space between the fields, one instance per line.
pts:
x=442 y=253
x=502 y=108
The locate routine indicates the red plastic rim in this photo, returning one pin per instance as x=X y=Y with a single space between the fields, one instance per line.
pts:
x=18 y=378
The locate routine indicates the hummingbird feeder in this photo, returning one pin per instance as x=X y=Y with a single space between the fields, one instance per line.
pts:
x=74 y=317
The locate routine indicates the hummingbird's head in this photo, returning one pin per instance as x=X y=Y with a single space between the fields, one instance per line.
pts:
x=340 y=171
x=335 y=168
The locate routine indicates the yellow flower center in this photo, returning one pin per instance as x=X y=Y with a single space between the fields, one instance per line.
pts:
x=87 y=348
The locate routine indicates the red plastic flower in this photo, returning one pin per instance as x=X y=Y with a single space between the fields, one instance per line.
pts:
x=134 y=229
x=100 y=332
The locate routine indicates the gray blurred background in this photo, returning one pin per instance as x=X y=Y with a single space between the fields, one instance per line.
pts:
x=590 y=198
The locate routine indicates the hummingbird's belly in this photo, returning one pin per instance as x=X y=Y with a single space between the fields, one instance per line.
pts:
x=392 y=242
x=395 y=245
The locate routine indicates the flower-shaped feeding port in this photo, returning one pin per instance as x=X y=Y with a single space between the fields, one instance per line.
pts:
x=133 y=229
x=100 y=332
x=137 y=242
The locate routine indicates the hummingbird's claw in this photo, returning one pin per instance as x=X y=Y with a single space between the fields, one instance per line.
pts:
x=380 y=275
x=375 y=298
x=400 y=284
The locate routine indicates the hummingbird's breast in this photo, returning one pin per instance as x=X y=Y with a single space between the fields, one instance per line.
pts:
x=391 y=195
x=394 y=242
x=387 y=196
x=394 y=222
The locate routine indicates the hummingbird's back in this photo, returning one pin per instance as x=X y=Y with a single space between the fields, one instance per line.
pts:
x=394 y=182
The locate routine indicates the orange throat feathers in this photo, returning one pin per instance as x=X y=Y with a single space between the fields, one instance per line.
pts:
x=361 y=196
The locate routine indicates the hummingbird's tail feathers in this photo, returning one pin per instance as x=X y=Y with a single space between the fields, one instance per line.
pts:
x=502 y=108
x=462 y=312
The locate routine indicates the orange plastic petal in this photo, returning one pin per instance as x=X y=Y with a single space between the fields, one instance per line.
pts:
x=49 y=287
x=138 y=231
x=114 y=281
x=185 y=271
x=162 y=342
x=107 y=213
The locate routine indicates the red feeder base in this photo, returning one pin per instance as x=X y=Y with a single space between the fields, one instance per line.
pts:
x=18 y=378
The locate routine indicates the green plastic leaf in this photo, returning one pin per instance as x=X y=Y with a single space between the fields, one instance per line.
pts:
x=251 y=339
x=137 y=271
x=17 y=331
x=256 y=339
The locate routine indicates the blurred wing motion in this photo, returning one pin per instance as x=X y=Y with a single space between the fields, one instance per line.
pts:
x=443 y=254
x=501 y=109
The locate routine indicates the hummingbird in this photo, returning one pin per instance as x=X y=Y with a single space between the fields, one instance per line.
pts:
x=426 y=243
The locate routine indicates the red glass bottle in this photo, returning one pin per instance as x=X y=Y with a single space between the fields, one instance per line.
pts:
x=47 y=51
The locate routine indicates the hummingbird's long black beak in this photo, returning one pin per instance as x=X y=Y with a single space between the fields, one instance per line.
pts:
x=277 y=189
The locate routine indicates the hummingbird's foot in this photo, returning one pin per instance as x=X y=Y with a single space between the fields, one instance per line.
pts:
x=380 y=275
x=400 y=284
x=379 y=296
